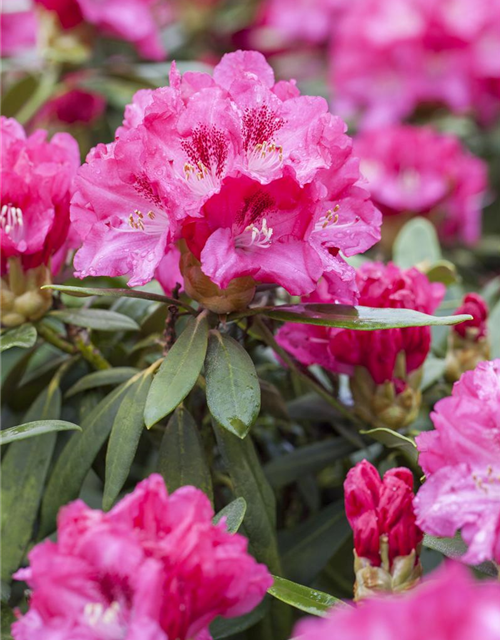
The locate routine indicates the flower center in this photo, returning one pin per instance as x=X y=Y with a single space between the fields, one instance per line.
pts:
x=95 y=614
x=259 y=126
x=207 y=152
x=252 y=236
x=11 y=221
x=331 y=219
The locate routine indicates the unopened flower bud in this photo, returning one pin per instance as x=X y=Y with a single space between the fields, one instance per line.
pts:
x=386 y=538
x=21 y=296
x=468 y=343
x=235 y=297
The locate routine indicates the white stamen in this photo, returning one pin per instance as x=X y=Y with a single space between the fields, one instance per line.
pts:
x=255 y=237
x=12 y=222
x=95 y=613
x=151 y=223
x=265 y=157
x=330 y=219
x=200 y=179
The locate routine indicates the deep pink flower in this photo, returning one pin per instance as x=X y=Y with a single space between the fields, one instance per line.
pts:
x=36 y=179
x=376 y=507
x=474 y=305
x=343 y=349
x=18 y=28
x=449 y=605
x=390 y=57
x=152 y=568
x=415 y=170
x=461 y=462
x=135 y=21
x=258 y=180
x=75 y=106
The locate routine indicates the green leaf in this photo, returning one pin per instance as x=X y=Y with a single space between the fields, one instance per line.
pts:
x=494 y=330
x=233 y=391
x=117 y=375
x=36 y=428
x=79 y=453
x=23 y=336
x=311 y=458
x=307 y=549
x=311 y=601
x=234 y=513
x=394 y=440
x=179 y=371
x=85 y=292
x=99 y=319
x=416 y=243
x=124 y=439
x=8 y=618
x=24 y=469
x=250 y=483
x=181 y=460
x=455 y=548
x=434 y=369
x=228 y=627
x=443 y=271
x=362 y=318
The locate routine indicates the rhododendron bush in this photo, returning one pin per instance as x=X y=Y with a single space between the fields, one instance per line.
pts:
x=250 y=319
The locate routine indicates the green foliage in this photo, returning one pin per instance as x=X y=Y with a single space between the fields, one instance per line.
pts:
x=23 y=336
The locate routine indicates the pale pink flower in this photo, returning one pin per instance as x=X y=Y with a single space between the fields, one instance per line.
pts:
x=391 y=56
x=419 y=171
x=18 y=28
x=36 y=179
x=342 y=349
x=258 y=180
x=461 y=461
x=449 y=605
x=152 y=568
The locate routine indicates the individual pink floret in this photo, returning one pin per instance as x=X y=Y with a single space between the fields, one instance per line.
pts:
x=152 y=568
x=415 y=170
x=461 y=461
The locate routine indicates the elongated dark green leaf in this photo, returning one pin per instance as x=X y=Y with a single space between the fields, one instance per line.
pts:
x=78 y=455
x=182 y=459
x=227 y=627
x=179 y=371
x=394 y=440
x=307 y=548
x=250 y=483
x=36 y=428
x=308 y=459
x=24 y=469
x=417 y=242
x=124 y=438
x=233 y=391
x=117 y=375
x=234 y=513
x=23 y=336
x=363 y=318
x=85 y=292
x=455 y=548
x=312 y=601
x=100 y=319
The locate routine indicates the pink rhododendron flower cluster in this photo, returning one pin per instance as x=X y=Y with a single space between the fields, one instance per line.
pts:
x=415 y=170
x=449 y=605
x=384 y=286
x=376 y=508
x=36 y=179
x=152 y=568
x=390 y=56
x=256 y=180
x=461 y=461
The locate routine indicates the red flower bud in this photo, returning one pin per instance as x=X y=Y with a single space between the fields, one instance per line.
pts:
x=476 y=306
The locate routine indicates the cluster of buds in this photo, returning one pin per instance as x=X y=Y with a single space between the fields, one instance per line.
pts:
x=387 y=540
x=468 y=343
x=21 y=298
